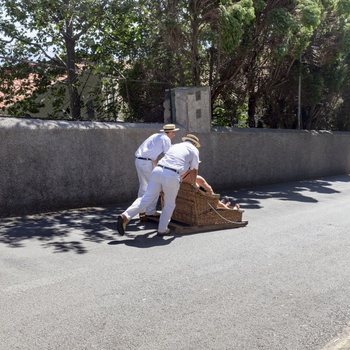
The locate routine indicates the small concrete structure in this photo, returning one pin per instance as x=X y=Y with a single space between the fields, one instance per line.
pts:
x=189 y=107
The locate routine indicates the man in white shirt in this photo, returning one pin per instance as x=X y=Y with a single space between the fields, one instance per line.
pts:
x=146 y=159
x=166 y=177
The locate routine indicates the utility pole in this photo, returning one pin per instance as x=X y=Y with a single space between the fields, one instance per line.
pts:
x=299 y=95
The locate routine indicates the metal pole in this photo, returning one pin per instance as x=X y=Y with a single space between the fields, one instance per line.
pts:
x=299 y=95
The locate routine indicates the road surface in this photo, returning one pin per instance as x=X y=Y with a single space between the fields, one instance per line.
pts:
x=69 y=282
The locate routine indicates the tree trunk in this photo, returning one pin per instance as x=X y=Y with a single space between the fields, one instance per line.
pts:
x=251 y=110
x=73 y=82
x=196 y=72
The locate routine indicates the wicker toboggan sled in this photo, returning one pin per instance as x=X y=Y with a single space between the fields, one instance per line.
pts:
x=197 y=211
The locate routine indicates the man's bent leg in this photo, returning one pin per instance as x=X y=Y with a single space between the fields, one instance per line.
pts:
x=140 y=204
x=133 y=209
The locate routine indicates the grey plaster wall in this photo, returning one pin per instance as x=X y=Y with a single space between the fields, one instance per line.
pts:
x=52 y=165
x=249 y=157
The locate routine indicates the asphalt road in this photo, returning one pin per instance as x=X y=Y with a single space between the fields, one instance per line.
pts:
x=69 y=282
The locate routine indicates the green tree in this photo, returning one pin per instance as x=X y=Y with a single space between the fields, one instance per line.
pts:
x=325 y=69
x=46 y=31
x=251 y=54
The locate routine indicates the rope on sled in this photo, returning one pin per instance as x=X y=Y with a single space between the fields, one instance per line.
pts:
x=222 y=217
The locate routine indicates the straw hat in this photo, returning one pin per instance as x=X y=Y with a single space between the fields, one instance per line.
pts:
x=193 y=139
x=169 y=127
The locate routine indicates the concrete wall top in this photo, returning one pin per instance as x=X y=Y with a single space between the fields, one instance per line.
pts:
x=223 y=129
x=62 y=124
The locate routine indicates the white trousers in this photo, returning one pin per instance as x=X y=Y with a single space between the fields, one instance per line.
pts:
x=161 y=180
x=144 y=169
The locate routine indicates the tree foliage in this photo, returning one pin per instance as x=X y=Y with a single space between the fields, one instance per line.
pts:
x=54 y=32
x=253 y=55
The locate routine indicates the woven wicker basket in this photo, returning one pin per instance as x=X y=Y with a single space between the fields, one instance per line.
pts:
x=198 y=209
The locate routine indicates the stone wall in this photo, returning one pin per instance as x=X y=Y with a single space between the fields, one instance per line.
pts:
x=53 y=165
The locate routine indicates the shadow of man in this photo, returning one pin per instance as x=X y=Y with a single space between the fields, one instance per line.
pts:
x=147 y=240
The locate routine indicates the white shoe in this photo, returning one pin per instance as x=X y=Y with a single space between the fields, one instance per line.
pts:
x=167 y=231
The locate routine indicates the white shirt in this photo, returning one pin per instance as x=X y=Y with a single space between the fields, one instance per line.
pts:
x=181 y=157
x=154 y=146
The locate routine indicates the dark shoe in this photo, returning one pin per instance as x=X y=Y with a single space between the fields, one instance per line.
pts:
x=143 y=217
x=121 y=225
x=150 y=217
x=156 y=215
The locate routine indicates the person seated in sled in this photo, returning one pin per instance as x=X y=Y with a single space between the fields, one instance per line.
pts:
x=207 y=189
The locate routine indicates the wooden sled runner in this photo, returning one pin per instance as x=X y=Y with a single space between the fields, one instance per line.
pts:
x=198 y=212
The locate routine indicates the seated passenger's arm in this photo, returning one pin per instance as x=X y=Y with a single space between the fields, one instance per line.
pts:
x=193 y=177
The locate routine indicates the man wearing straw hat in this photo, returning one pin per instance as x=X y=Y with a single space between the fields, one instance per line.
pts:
x=166 y=177
x=146 y=159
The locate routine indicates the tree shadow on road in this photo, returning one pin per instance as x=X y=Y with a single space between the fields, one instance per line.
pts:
x=64 y=231
x=296 y=191
x=73 y=230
